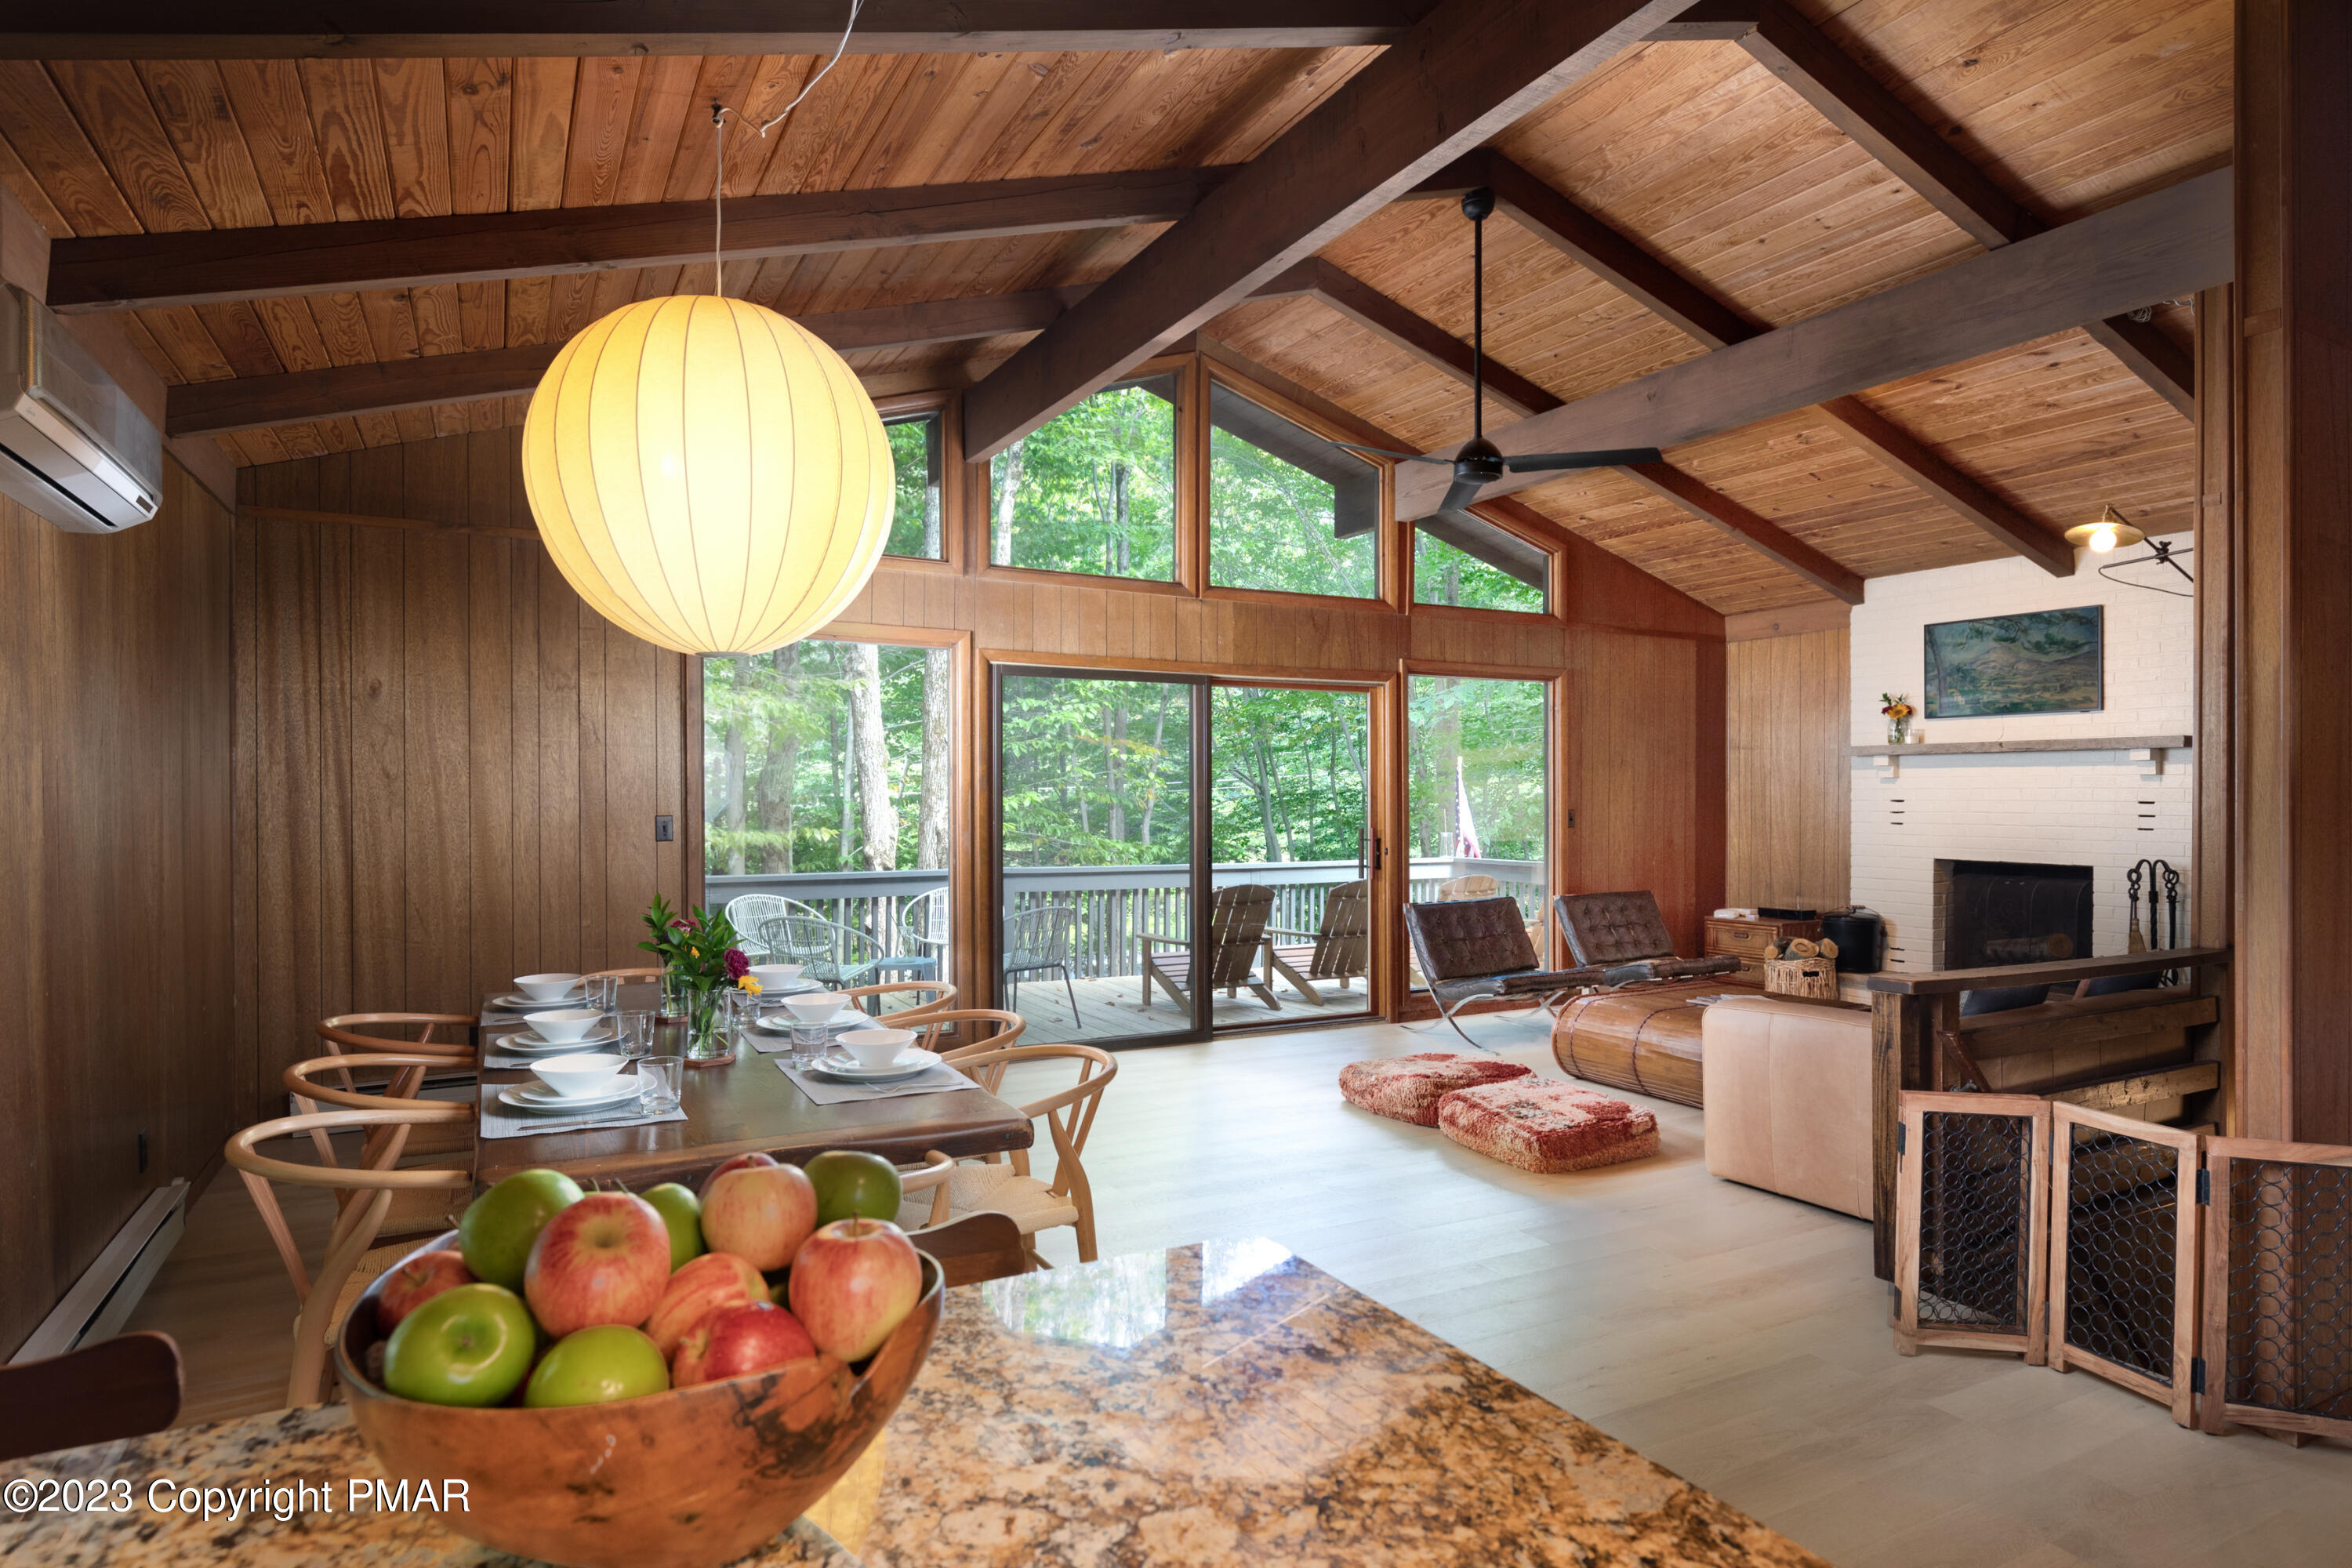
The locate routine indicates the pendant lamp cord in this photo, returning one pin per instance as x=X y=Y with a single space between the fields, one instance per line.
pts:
x=719 y=113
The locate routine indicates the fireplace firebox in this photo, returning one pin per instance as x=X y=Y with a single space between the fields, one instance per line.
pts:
x=2001 y=912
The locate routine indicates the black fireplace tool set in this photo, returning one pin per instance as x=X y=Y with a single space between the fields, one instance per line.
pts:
x=2153 y=874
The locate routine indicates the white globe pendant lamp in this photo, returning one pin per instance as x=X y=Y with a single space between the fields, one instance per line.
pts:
x=707 y=475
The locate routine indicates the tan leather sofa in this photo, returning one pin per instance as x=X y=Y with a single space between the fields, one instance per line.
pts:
x=1787 y=1099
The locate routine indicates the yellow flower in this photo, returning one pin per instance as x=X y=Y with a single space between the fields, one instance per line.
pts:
x=749 y=985
x=695 y=951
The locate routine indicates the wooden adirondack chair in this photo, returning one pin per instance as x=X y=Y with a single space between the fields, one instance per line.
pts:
x=1339 y=949
x=1237 y=917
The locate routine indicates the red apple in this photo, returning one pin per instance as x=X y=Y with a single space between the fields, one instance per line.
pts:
x=750 y=1336
x=760 y=1212
x=417 y=1282
x=853 y=1282
x=738 y=1163
x=605 y=1259
x=713 y=1281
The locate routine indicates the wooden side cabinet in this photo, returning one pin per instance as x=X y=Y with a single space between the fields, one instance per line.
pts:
x=1747 y=939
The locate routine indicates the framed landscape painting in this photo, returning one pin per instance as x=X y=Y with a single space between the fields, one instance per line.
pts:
x=2048 y=661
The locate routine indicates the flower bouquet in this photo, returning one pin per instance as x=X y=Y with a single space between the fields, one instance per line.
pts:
x=701 y=959
x=1898 y=711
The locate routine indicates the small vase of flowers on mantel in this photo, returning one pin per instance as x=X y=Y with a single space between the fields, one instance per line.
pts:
x=1898 y=712
x=701 y=961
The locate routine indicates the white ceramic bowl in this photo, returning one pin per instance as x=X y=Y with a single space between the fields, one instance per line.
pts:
x=776 y=976
x=818 y=1006
x=877 y=1048
x=575 y=1076
x=547 y=987
x=564 y=1023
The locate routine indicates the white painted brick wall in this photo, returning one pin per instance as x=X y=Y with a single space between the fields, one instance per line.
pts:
x=2069 y=808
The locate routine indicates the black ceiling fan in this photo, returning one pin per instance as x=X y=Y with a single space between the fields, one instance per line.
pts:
x=1478 y=462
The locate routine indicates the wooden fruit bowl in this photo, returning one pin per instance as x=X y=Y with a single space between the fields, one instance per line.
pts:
x=689 y=1479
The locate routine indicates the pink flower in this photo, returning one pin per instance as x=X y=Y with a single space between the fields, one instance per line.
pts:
x=738 y=965
x=677 y=922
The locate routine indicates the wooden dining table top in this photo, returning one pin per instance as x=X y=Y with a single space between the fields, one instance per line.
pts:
x=748 y=1105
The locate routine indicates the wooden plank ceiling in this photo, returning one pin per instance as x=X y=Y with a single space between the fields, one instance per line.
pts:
x=1694 y=149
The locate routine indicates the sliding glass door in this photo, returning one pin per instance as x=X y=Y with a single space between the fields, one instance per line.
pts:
x=1099 y=853
x=1176 y=856
x=1291 y=836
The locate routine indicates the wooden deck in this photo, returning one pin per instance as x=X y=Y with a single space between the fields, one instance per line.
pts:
x=1113 y=1008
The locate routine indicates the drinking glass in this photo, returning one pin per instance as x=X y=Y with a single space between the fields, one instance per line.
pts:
x=605 y=995
x=657 y=1083
x=636 y=1033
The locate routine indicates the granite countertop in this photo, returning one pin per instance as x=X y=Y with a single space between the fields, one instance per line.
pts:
x=1213 y=1404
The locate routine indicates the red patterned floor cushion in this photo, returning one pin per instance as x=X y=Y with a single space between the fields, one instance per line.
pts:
x=1547 y=1127
x=1407 y=1089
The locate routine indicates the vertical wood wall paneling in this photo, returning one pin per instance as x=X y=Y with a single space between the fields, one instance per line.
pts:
x=452 y=767
x=117 y=694
x=1788 y=795
x=2293 y=509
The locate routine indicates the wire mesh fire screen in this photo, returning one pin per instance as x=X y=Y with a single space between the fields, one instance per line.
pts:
x=2123 y=1264
x=2278 y=1321
x=1971 y=1220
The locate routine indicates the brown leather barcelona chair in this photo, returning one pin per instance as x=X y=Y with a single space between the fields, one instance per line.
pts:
x=1624 y=936
x=1478 y=948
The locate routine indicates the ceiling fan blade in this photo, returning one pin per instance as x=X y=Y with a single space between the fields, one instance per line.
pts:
x=1463 y=491
x=1535 y=462
x=1384 y=452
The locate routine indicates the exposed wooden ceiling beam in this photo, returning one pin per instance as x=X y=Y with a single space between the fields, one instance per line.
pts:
x=1468 y=70
x=1425 y=340
x=1601 y=249
x=1897 y=449
x=457 y=29
x=206 y=266
x=277 y=29
x=1859 y=105
x=1418 y=335
x=246 y=402
x=2173 y=241
x=1719 y=510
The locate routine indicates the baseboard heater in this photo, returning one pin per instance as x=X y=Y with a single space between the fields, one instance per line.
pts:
x=103 y=1299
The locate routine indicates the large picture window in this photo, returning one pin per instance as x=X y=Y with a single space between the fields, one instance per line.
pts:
x=1288 y=511
x=1094 y=489
x=826 y=772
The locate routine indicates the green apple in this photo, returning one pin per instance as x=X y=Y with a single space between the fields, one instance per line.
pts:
x=593 y=1366
x=499 y=1226
x=470 y=1345
x=681 y=1211
x=853 y=1185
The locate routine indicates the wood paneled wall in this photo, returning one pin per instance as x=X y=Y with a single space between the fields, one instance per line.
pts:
x=449 y=768
x=115 y=728
x=1788 y=793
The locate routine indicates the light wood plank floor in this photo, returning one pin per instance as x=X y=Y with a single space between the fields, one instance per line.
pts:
x=1736 y=1337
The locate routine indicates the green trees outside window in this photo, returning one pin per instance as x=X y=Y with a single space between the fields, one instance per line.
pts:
x=826 y=757
x=1459 y=559
x=1094 y=489
x=1478 y=744
x=1288 y=511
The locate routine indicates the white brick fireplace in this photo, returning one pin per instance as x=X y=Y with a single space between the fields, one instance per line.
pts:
x=2096 y=806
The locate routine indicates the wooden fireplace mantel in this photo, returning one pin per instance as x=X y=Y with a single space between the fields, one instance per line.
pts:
x=2052 y=744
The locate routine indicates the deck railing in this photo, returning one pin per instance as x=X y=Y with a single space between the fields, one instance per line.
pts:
x=1113 y=905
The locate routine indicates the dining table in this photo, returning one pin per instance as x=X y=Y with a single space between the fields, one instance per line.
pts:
x=1225 y=1402
x=745 y=1105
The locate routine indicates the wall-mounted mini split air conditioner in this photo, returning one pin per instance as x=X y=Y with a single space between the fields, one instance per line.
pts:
x=73 y=447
